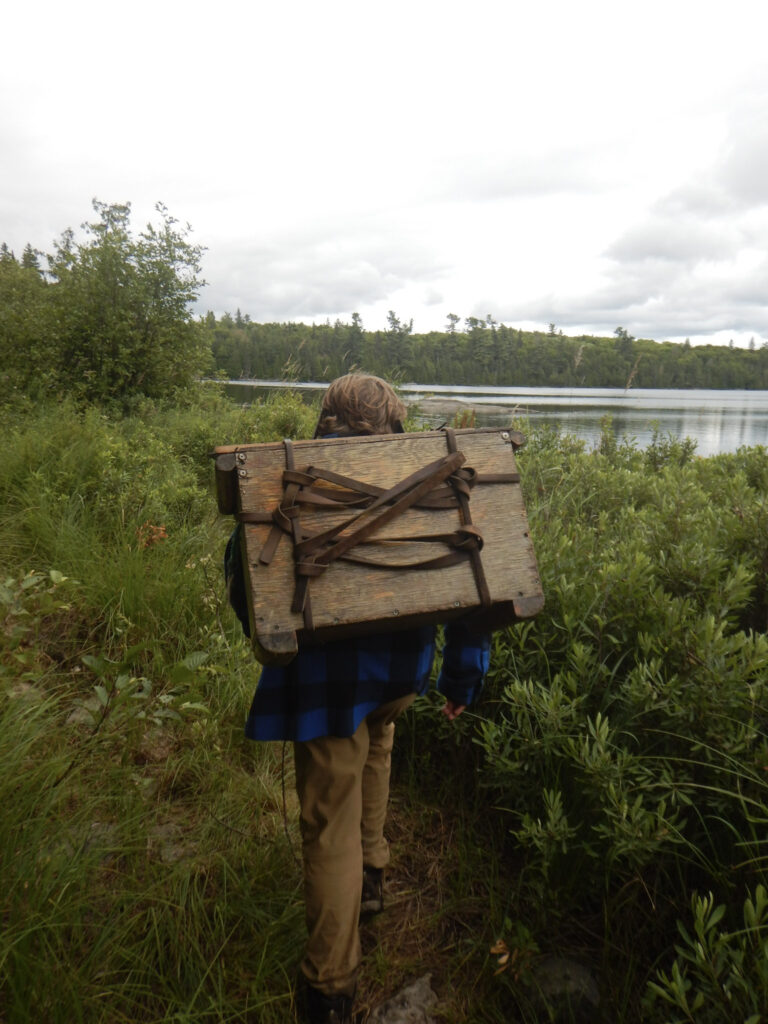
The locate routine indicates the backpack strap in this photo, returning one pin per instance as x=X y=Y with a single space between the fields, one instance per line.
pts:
x=462 y=492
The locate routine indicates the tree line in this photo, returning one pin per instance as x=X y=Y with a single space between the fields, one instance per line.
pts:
x=481 y=352
x=110 y=317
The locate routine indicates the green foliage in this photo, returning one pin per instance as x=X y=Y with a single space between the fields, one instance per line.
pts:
x=617 y=765
x=126 y=507
x=25 y=604
x=146 y=876
x=285 y=415
x=111 y=317
x=717 y=975
x=625 y=732
x=122 y=307
x=26 y=349
x=484 y=353
x=667 y=449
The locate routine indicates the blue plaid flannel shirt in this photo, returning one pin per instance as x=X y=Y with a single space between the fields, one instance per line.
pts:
x=328 y=689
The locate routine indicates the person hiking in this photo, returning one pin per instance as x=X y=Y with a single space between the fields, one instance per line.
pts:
x=338 y=702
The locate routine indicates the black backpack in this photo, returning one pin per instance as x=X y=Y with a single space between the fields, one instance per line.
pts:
x=234 y=577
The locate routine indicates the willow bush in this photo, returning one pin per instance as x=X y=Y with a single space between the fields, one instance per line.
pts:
x=625 y=738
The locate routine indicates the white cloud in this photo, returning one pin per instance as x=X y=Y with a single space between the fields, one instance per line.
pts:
x=593 y=164
x=695 y=261
x=317 y=273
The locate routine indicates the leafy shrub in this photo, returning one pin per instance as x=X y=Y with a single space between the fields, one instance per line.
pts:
x=621 y=749
x=717 y=975
x=624 y=728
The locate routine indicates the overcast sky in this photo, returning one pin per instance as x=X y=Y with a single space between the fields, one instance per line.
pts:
x=589 y=164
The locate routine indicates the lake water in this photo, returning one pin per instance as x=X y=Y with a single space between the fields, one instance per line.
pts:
x=719 y=421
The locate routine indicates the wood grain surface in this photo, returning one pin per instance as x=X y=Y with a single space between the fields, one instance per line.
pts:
x=349 y=598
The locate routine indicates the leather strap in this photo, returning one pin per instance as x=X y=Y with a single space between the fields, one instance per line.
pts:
x=314 y=555
x=399 y=498
x=462 y=494
x=443 y=484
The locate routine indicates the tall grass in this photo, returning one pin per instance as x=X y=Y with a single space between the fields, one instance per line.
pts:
x=146 y=873
x=611 y=780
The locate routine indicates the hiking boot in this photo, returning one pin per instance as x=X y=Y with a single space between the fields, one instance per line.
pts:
x=324 y=1009
x=372 y=901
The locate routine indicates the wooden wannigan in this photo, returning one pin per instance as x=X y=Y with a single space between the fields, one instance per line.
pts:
x=356 y=534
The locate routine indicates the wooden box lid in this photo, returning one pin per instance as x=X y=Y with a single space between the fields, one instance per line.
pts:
x=447 y=504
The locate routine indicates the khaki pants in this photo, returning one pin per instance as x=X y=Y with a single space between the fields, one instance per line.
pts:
x=343 y=788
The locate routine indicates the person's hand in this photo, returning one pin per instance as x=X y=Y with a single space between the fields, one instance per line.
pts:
x=451 y=710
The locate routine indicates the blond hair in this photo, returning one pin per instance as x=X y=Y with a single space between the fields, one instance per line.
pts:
x=359 y=403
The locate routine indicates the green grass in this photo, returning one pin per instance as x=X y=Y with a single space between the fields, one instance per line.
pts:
x=147 y=873
x=613 y=775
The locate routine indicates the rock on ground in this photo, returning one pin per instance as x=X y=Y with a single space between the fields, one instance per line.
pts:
x=410 y=1006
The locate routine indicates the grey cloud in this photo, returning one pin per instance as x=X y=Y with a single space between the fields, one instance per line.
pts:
x=704 y=199
x=681 y=240
x=433 y=297
x=674 y=274
x=688 y=305
x=312 y=277
x=746 y=173
x=752 y=291
x=738 y=176
x=738 y=179
x=743 y=169
x=35 y=204
x=524 y=175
